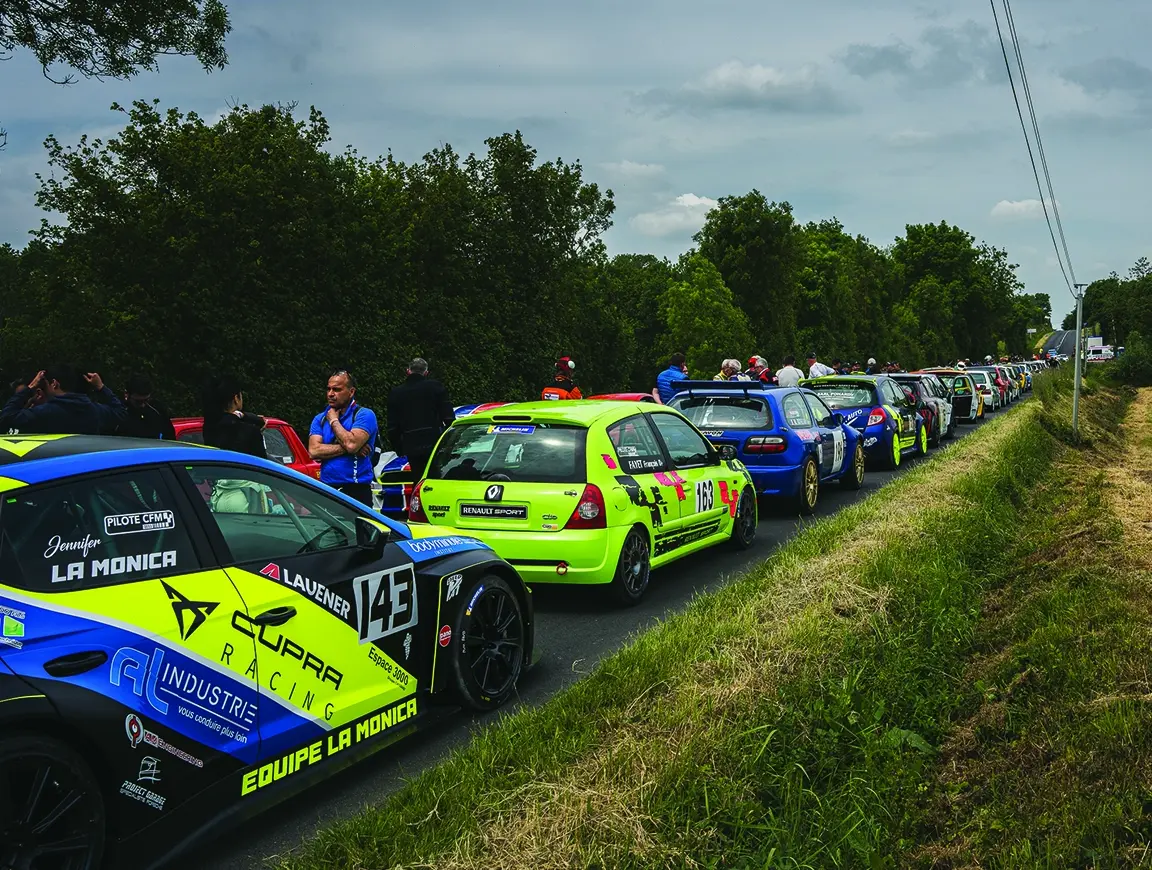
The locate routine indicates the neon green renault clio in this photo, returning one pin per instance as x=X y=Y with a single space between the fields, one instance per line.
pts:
x=585 y=492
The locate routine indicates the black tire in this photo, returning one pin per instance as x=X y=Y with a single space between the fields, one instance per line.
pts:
x=746 y=521
x=936 y=437
x=854 y=479
x=633 y=569
x=63 y=783
x=809 y=495
x=486 y=644
x=952 y=424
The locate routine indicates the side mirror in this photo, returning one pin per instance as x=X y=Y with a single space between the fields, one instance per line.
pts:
x=726 y=451
x=837 y=420
x=370 y=536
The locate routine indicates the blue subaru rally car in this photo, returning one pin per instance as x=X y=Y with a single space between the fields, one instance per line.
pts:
x=881 y=410
x=790 y=441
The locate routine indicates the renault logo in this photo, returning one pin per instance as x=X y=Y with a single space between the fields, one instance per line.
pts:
x=494 y=493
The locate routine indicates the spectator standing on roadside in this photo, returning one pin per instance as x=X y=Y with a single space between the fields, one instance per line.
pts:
x=729 y=371
x=226 y=424
x=758 y=370
x=419 y=411
x=145 y=417
x=342 y=439
x=66 y=408
x=871 y=370
x=789 y=375
x=663 y=391
x=817 y=369
x=562 y=386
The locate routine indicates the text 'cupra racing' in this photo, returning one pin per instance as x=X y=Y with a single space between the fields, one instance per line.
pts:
x=189 y=635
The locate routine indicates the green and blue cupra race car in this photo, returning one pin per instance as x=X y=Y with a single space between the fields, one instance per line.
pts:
x=586 y=492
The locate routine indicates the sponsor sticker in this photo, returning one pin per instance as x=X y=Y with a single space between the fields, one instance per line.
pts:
x=144 y=795
x=367 y=727
x=137 y=733
x=149 y=769
x=84 y=546
x=495 y=512
x=511 y=430
x=475 y=598
x=386 y=602
x=131 y=524
x=306 y=586
x=454 y=583
x=12 y=624
x=445 y=635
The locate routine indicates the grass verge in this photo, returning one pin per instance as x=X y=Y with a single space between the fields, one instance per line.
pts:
x=799 y=717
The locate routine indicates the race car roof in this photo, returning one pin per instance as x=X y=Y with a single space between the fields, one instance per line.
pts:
x=581 y=412
x=843 y=379
x=38 y=458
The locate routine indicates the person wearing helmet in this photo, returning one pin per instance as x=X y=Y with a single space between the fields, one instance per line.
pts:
x=871 y=370
x=562 y=386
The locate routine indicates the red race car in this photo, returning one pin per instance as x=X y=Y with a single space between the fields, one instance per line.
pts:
x=280 y=442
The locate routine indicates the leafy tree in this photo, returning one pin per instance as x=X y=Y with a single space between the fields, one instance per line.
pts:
x=116 y=38
x=702 y=318
x=757 y=247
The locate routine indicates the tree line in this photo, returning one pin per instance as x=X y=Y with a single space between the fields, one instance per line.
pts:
x=1114 y=307
x=181 y=249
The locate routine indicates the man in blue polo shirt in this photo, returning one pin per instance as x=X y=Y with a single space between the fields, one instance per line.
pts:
x=675 y=372
x=342 y=440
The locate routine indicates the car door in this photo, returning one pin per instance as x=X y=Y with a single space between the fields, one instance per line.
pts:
x=647 y=475
x=798 y=418
x=332 y=624
x=112 y=606
x=833 y=442
x=902 y=408
x=705 y=510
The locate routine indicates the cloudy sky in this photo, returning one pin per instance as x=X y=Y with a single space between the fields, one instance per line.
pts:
x=880 y=113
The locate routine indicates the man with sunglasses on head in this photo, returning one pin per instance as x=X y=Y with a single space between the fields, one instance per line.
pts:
x=342 y=439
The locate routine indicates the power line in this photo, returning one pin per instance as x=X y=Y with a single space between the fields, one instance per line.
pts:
x=1039 y=139
x=1028 y=142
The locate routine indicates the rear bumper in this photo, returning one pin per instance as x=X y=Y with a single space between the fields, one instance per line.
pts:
x=778 y=480
x=584 y=556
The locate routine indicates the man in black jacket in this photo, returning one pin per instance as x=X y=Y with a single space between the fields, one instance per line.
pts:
x=145 y=417
x=68 y=409
x=418 y=412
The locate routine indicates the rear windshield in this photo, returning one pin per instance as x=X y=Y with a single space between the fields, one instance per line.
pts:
x=531 y=453
x=981 y=377
x=838 y=396
x=725 y=412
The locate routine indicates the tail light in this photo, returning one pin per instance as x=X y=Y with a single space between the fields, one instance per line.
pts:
x=407 y=495
x=415 y=506
x=877 y=416
x=766 y=444
x=590 y=512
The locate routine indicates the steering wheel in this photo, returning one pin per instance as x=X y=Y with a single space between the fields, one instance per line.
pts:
x=498 y=476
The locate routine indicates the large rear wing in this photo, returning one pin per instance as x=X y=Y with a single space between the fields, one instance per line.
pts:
x=745 y=387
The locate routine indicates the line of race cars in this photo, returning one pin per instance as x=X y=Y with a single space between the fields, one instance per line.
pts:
x=189 y=636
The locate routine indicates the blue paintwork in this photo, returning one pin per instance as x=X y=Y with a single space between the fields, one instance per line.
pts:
x=773 y=474
x=877 y=437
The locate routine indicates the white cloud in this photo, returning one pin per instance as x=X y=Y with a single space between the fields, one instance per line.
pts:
x=1023 y=209
x=738 y=85
x=629 y=169
x=683 y=216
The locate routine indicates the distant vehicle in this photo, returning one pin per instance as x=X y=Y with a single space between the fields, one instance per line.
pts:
x=789 y=440
x=882 y=410
x=1101 y=353
x=281 y=442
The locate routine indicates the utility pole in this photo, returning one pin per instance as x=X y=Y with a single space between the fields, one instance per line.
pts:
x=1076 y=374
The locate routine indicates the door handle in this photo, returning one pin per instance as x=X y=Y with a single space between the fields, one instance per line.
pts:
x=275 y=616
x=76 y=663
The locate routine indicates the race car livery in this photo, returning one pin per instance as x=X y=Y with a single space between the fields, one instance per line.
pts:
x=189 y=635
x=790 y=441
x=931 y=403
x=879 y=409
x=586 y=492
x=966 y=398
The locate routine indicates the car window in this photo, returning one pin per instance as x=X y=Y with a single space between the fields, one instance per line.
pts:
x=795 y=411
x=725 y=412
x=686 y=447
x=820 y=412
x=636 y=446
x=276 y=446
x=839 y=396
x=533 y=453
x=92 y=532
x=262 y=516
x=980 y=377
x=195 y=436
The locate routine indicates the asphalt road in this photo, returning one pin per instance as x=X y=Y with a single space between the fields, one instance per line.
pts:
x=575 y=629
x=1063 y=340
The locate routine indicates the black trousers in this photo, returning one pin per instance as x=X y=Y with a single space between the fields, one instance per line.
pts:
x=362 y=492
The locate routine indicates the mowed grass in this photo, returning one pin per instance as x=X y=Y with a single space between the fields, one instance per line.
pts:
x=816 y=712
x=1050 y=761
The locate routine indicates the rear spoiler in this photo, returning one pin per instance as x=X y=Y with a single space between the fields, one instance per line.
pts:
x=745 y=387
